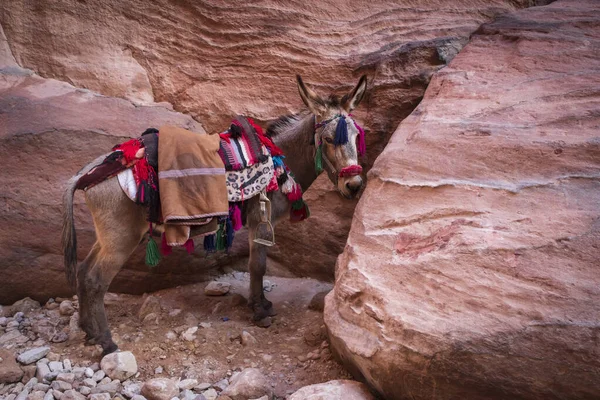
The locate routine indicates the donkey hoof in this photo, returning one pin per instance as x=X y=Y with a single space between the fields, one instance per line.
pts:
x=89 y=341
x=264 y=323
x=111 y=348
x=271 y=312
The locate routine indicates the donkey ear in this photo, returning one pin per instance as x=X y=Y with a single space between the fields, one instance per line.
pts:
x=353 y=99
x=312 y=100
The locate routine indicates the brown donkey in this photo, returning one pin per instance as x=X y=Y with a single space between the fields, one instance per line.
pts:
x=326 y=130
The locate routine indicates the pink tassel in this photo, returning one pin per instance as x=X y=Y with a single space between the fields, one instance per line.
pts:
x=236 y=218
x=165 y=249
x=361 y=146
x=189 y=246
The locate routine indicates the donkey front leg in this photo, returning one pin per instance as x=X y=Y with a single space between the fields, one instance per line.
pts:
x=257 y=265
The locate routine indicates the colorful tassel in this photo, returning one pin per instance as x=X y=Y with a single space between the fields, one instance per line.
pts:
x=319 y=159
x=209 y=243
x=341 y=132
x=220 y=244
x=229 y=234
x=165 y=249
x=273 y=185
x=278 y=161
x=152 y=253
x=189 y=245
x=295 y=194
x=236 y=217
x=361 y=146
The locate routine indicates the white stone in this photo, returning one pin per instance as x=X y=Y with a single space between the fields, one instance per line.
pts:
x=98 y=375
x=120 y=365
x=33 y=355
x=189 y=334
x=187 y=384
x=89 y=382
x=66 y=308
x=210 y=394
x=250 y=383
x=56 y=366
x=84 y=390
x=100 y=396
x=159 y=389
x=215 y=288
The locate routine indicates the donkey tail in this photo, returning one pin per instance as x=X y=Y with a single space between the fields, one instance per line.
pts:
x=69 y=236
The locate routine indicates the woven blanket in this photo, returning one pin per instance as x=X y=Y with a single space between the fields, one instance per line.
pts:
x=191 y=179
x=241 y=146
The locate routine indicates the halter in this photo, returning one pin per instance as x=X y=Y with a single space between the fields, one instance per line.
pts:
x=341 y=137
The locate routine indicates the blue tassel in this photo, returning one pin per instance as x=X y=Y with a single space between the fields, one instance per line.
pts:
x=229 y=234
x=278 y=161
x=209 y=243
x=341 y=132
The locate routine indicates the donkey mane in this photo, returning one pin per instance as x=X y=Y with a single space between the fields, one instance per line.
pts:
x=284 y=123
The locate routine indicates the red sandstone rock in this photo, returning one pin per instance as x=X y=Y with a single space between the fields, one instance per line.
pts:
x=49 y=130
x=471 y=269
x=212 y=61
x=215 y=60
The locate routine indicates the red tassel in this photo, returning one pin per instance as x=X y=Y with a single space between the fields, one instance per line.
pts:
x=352 y=170
x=165 y=249
x=129 y=149
x=295 y=194
x=273 y=185
x=189 y=246
x=266 y=141
x=236 y=218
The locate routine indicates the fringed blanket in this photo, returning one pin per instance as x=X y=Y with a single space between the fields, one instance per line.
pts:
x=191 y=178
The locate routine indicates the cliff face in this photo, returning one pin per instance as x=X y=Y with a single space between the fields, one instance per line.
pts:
x=211 y=60
x=471 y=268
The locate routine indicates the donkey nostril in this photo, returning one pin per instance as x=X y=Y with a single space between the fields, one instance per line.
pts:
x=353 y=187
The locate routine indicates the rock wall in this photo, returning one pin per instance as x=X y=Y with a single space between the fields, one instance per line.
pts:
x=471 y=268
x=212 y=60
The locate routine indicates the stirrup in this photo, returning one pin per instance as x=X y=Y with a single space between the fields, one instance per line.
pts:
x=265 y=219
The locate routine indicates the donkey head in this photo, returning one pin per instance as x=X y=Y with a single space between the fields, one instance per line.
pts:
x=339 y=140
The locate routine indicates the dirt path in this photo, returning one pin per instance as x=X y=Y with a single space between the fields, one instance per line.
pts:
x=291 y=353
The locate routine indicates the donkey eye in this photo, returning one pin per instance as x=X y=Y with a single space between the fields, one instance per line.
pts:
x=329 y=140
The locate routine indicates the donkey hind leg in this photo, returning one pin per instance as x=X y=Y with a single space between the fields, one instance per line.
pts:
x=120 y=225
x=85 y=319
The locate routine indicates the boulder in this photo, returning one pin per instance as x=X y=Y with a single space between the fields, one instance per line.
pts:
x=248 y=384
x=120 y=365
x=9 y=369
x=179 y=59
x=334 y=390
x=471 y=269
x=24 y=306
x=159 y=389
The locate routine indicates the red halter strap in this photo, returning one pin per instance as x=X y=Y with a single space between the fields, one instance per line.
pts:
x=351 y=170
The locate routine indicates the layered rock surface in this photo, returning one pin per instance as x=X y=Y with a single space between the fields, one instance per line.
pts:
x=471 y=268
x=48 y=131
x=214 y=60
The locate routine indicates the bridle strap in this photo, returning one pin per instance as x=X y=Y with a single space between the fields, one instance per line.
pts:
x=351 y=170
